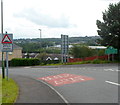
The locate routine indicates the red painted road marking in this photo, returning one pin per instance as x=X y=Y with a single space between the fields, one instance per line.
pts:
x=62 y=79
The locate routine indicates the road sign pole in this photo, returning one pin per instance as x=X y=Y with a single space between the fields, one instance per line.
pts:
x=64 y=48
x=3 y=66
x=7 y=46
x=7 y=65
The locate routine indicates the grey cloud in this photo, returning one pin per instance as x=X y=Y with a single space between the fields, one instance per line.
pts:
x=44 y=19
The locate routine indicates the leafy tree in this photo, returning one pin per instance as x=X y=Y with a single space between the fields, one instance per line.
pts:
x=109 y=29
x=41 y=56
x=81 y=51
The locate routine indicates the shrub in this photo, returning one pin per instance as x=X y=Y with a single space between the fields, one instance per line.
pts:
x=24 y=62
x=98 y=61
x=44 y=62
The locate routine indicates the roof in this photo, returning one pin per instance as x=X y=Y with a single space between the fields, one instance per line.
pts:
x=16 y=47
x=97 y=47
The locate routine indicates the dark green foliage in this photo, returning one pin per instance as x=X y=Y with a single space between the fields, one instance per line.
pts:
x=45 y=62
x=30 y=62
x=98 y=61
x=24 y=62
x=109 y=29
x=79 y=51
x=44 y=44
x=50 y=50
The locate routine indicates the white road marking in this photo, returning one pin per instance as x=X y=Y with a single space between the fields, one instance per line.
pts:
x=27 y=67
x=56 y=92
x=117 y=70
x=110 y=70
x=112 y=83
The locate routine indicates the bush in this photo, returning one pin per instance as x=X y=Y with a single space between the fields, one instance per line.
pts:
x=24 y=62
x=45 y=62
x=81 y=51
x=98 y=61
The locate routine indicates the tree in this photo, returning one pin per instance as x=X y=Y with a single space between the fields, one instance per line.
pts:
x=109 y=29
x=81 y=51
x=41 y=56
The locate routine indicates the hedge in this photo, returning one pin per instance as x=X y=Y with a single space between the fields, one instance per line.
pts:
x=24 y=62
x=30 y=62
x=44 y=62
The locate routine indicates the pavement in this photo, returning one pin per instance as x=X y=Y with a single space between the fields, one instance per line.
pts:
x=33 y=91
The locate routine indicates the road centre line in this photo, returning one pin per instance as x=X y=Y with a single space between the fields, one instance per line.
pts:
x=113 y=83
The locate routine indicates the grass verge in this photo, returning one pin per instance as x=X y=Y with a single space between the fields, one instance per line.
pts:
x=0 y=90
x=10 y=91
x=96 y=61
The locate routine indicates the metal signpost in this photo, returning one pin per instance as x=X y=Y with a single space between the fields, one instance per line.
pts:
x=3 y=71
x=64 y=48
x=7 y=46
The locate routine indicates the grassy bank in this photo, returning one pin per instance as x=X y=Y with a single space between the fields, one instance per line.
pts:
x=9 y=91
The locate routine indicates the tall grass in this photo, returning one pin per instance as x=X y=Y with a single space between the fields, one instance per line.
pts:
x=9 y=91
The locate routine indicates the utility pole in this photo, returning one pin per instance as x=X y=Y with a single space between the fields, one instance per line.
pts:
x=40 y=33
x=119 y=51
x=3 y=69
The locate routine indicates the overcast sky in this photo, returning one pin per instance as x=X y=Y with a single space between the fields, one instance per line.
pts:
x=23 y=18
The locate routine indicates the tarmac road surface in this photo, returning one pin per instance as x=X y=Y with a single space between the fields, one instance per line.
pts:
x=77 y=83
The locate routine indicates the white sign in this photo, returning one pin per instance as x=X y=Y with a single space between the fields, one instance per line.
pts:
x=7 y=47
x=6 y=39
x=7 y=43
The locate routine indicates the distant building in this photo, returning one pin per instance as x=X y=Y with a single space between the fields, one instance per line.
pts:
x=97 y=47
x=29 y=55
x=53 y=57
x=59 y=46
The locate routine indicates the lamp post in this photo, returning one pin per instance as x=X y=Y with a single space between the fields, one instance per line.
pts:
x=40 y=33
x=3 y=71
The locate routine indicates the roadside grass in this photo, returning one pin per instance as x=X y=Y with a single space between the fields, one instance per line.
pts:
x=57 y=64
x=0 y=90
x=96 y=61
x=10 y=91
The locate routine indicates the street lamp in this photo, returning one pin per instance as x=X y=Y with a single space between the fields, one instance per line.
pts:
x=40 y=33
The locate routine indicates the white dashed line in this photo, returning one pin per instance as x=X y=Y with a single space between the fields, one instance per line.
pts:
x=110 y=70
x=27 y=67
x=117 y=70
x=113 y=83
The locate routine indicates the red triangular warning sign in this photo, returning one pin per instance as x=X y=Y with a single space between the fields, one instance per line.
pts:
x=6 y=39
